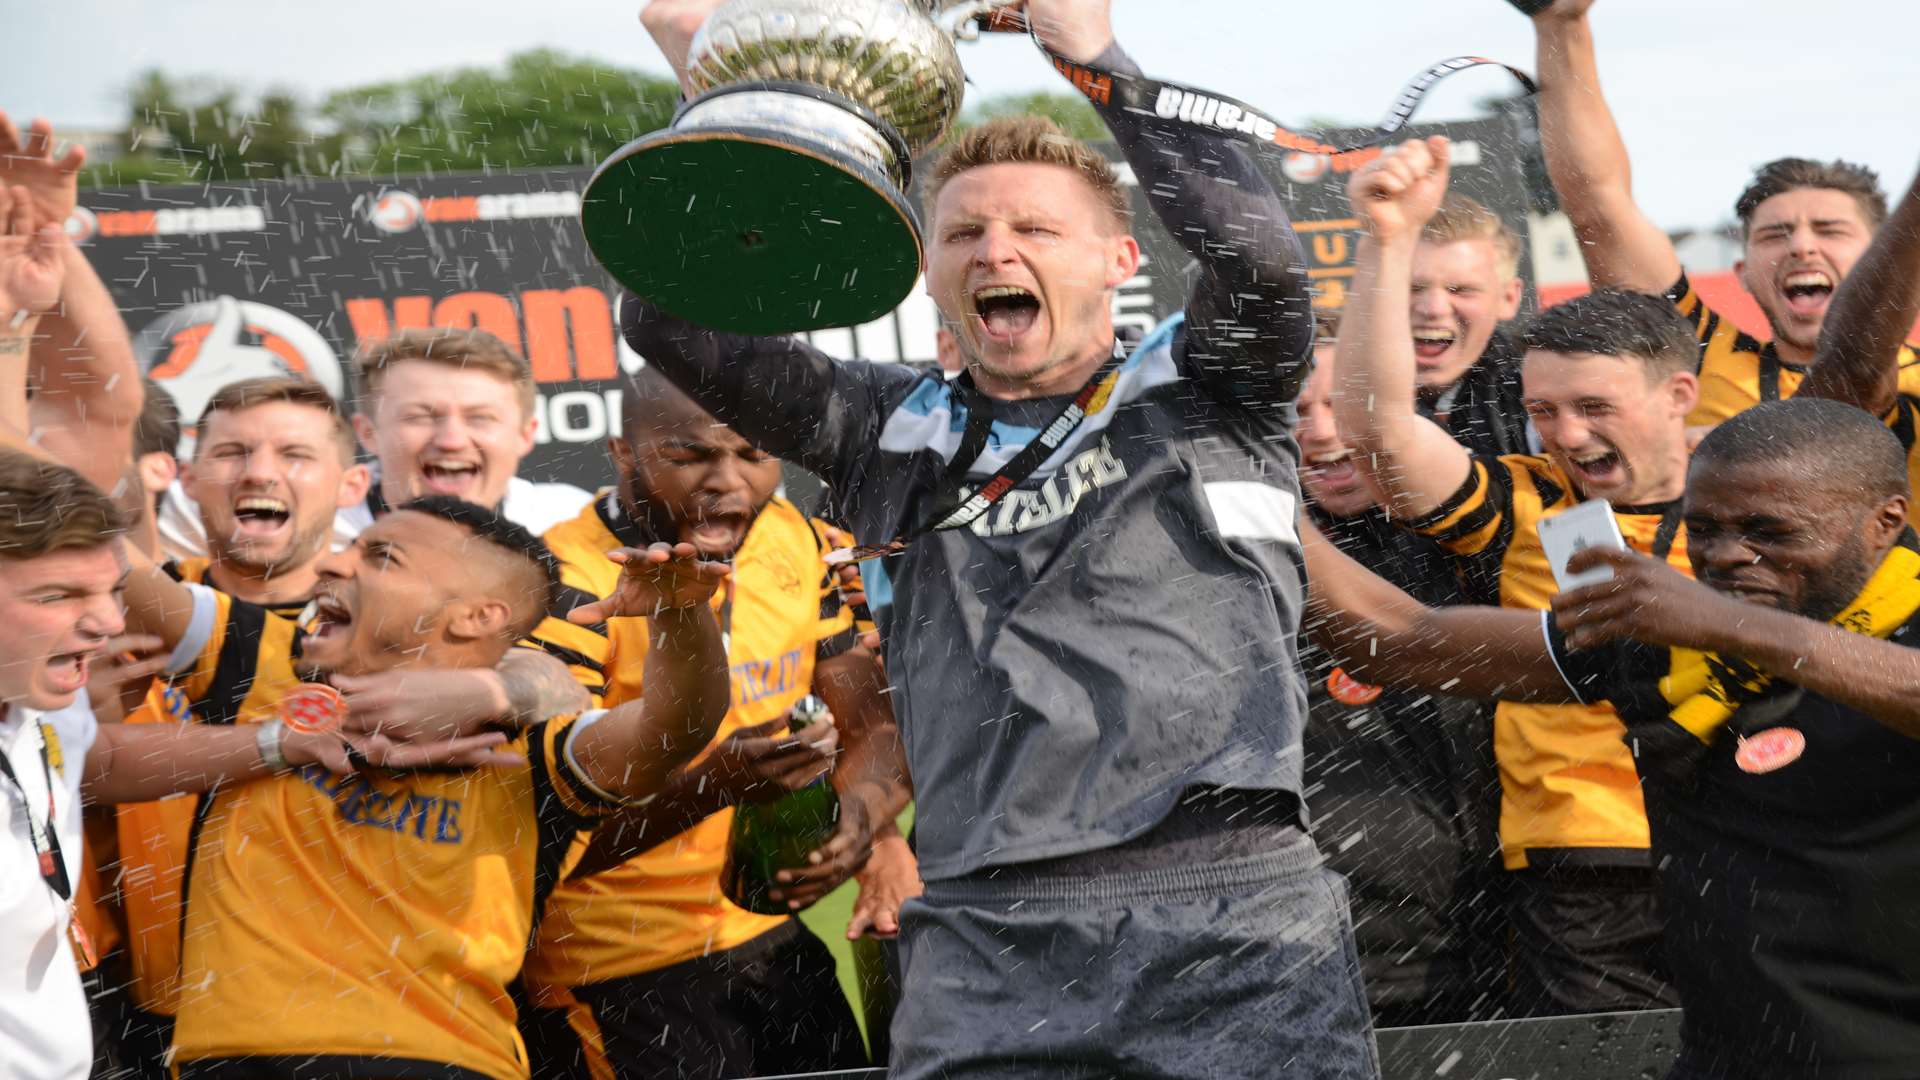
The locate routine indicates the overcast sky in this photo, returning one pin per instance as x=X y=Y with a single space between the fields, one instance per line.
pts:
x=1704 y=89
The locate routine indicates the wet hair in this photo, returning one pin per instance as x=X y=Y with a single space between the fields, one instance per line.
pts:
x=158 y=429
x=46 y=508
x=506 y=535
x=474 y=350
x=1836 y=447
x=1031 y=140
x=1791 y=174
x=1612 y=322
x=1462 y=218
x=247 y=394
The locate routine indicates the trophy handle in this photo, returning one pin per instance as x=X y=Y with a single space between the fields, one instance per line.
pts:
x=967 y=21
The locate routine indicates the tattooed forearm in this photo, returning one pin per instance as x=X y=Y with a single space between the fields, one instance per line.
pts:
x=539 y=686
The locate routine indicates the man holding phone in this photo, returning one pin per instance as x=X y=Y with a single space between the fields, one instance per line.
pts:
x=1608 y=381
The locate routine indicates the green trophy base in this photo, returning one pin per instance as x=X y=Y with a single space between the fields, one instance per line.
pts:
x=751 y=231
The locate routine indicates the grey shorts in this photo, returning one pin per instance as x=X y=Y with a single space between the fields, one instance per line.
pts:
x=1242 y=968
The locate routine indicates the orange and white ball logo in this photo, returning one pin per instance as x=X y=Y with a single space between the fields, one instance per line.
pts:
x=195 y=350
x=396 y=211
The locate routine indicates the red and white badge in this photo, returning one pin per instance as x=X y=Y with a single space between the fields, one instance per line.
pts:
x=1774 y=748
x=313 y=709
x=1348 y=690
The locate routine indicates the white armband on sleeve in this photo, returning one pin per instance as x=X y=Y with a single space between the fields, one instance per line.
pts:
x=588 y=719
x=199 y=630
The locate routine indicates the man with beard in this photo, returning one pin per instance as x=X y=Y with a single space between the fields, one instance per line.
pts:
x=1401 y=786
x=1466 y=283
x=273 y=462
x=1804 y=224
x=1097 y=592
x=659 y=973
x=370 y=924
x=1771 y=713
x=1608 y=379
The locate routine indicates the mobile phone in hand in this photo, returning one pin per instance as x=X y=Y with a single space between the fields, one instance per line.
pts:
x=1562 y=536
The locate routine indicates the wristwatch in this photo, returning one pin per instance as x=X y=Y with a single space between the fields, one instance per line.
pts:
x=267 y=737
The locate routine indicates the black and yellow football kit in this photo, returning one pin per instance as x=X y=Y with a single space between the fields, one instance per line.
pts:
x=1567 y=779
x=367 y=924
x=1739 y=371
x=154 y=835
x=664 y=907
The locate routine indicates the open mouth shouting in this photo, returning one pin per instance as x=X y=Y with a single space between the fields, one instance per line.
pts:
x=1430 y=345
x=67 y=672
x=717 y=536
x=450 y=476
x=331 y=617
x=1807 y=292
x=1006 y=312
x=258 y=517
x=1598 y=470
x=1333 y=473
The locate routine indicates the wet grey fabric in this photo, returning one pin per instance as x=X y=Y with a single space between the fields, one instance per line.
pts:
x=1245 y=968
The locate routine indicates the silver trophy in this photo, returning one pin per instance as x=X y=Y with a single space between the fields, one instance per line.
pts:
x=777 y=201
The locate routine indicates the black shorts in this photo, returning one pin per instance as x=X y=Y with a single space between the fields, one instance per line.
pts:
x=772 y=1005
x=1588 y=939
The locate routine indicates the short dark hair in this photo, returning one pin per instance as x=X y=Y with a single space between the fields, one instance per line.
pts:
x=1613 y=322
x=46 y=507
x=158 y=429
x=496 y=529
x=1837 y=447
x=1791 y=174
x=244 y=394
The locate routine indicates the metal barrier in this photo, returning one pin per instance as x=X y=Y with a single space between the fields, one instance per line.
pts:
x=1595 y=1046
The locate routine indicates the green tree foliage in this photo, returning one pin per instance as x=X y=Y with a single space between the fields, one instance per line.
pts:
x=1070 y=111
x=544 y=108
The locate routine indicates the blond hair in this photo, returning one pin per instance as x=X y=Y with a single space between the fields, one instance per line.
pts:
x=1032 y=140
x=1461 y=218
x=46 y=507
x=467 y=350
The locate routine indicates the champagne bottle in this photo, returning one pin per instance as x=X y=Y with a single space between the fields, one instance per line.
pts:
x=770 y=837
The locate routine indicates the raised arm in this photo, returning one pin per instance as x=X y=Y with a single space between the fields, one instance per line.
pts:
x=32 y=267
x=87 y=393
x=1412 y=461
x=1588 y=162
x=1381 y=635
x=1250 y=316
x=1873 y=311
x=630 y=751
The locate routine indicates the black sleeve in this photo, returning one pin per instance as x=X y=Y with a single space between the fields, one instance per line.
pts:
x=1592 y=674
x=1250 y=317
x=781 y=394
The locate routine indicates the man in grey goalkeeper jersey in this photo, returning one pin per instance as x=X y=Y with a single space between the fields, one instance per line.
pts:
x=1097 y=678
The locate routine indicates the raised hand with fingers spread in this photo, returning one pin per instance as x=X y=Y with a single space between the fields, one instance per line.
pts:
x=653 y=580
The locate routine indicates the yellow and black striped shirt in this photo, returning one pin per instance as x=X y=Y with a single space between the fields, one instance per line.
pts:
x=368 y=924
x=786 y=614
x=1569 y=791
x=1738 y=371
x=154 y=835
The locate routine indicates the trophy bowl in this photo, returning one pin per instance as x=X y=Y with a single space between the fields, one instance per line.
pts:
x=777 y=200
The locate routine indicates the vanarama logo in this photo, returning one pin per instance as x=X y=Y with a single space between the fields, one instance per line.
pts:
x=398 y=211
x=195 y=350
x=173 y=221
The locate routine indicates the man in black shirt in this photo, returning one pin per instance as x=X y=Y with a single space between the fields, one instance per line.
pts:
x=1096 y=676
x=1785 y=824
x=1401 y=786
x=1465 y=285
